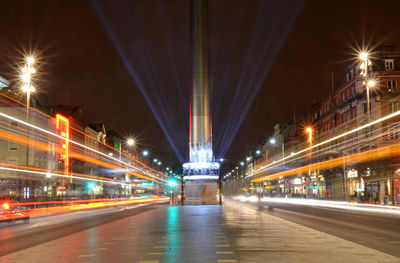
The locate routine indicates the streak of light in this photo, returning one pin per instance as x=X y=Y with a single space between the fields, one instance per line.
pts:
x=58 y=175
x=370 y=155
x=80 y=132
x=333 y=204
x=44 y=146
x=394 y=114
x=49 y=172
x=69 y=140
x=78 y=206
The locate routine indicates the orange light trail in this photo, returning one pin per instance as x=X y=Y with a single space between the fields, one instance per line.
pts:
x=81 y=145
x=21 y=139
x=86 y=135
x=79 y=205
x=366 y=156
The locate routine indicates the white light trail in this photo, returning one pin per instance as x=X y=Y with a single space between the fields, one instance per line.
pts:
x=69 y=140
x=48 y=175
x=394 y=114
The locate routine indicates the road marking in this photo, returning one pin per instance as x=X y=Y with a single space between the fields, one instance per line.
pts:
x=100 y=248
x=149 y=261
x=164 y=241
x=218 y=236
x=160 y=246
x=117 y=238
x=155 y=253
x=87 y=256
x=220 y=241
x=226 y=260
x=222 y=245
x=394 y=242
x=109 y=243
x=224 y=252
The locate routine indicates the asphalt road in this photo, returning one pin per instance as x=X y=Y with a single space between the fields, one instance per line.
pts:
x=374 y=230
x=19 y=235
x=234 y=232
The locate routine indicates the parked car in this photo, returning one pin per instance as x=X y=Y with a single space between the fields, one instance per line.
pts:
x=11 y=211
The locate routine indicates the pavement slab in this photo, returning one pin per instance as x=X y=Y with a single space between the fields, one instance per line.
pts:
x=231 y=233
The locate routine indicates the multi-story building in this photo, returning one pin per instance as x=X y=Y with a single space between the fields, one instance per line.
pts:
x=344 y=110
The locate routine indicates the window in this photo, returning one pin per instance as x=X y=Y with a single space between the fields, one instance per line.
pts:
x=392 y=85
x=394 y=133
x=12 y=146
x=389 y=64
x=365 y=107
x=393 y=107
x=26 y=193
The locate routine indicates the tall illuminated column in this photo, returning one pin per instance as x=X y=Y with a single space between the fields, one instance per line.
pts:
x=201 y=173
x=200 y=123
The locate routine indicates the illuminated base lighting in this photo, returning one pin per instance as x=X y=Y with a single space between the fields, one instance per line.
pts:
x=201 y=166
x=201 y=171
x=200 y=177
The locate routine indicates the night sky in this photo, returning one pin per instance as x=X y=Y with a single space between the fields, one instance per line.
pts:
x=80 y=64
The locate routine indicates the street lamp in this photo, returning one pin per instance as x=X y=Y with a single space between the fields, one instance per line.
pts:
x=273 y=141
x=309 y=131
x=365 y=62
x=145 y=153
x=130 y=142
x=155 y=160
x=26 y=76
x=258 y=152
x=241 y=163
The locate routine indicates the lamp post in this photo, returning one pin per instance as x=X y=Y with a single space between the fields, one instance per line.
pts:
x=26 y=76
x=369 y=83
x=273 y=141
x=310 y=132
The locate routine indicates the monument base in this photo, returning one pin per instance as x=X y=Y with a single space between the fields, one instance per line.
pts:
x=201 y=192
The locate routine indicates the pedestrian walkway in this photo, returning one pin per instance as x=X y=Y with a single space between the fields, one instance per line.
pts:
x=231 y=233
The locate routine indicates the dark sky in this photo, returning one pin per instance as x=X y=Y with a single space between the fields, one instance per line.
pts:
x=80 y=65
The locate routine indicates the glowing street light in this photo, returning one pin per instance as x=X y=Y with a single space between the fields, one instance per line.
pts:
x=155 y=160
x=309 y=130
x=371 y=83
x=26 y=76
x=130 y=142
x=272 y=141
x=365 y=62
x=145 y=153
x=241 y=163
x=159 y=163
x=258 y=152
